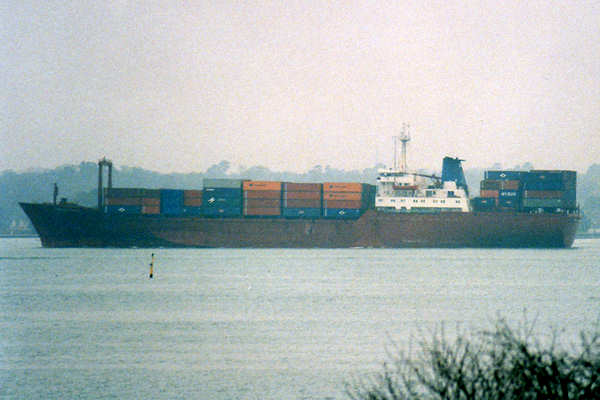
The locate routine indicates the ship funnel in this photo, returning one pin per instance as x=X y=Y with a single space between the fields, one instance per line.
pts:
x=452 y=171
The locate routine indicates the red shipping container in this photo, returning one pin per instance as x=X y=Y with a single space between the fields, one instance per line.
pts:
x=489 y=193
x=150 y=209
x=262 y=194
x=342 y=187
x=510 y=185
x=302 y=187
x=302 y=203
x=342 y=196
x=262 y=203
x=302 y=195
x=342 y=204
x=262 y=185
x=262 y=211
x=191 y=194
x=544 y=194
x=151 y=201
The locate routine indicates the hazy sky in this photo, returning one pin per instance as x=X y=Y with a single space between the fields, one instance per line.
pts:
x=181 y=85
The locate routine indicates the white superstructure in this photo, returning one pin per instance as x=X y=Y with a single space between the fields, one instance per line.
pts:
x=401 y=191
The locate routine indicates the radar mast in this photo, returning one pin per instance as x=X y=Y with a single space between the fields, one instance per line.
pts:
x=404 y=138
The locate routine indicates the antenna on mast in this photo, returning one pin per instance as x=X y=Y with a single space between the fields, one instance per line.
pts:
x=404 y=138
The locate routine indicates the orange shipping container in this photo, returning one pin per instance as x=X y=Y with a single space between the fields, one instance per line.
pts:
x=151 y=201
x=262 y=194
x=262 y=211
x=302 y=195
x=123 y=201
x=192 y=201
x=342 y=196
x=150 y=210
x=262 y=203
x=302 y=187
x=342 y=204
x=262 y=185
x=489 y=193
x=342 y=187
x=302 y=203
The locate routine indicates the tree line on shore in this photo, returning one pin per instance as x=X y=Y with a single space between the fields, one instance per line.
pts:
x=78 y=184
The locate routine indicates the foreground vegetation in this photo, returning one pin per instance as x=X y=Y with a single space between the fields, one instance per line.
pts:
x=503 y=363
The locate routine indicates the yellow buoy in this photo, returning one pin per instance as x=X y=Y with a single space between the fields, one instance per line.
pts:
x=152 y=267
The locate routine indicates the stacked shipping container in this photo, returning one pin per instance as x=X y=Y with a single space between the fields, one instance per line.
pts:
x=302 y=200
x=234 y=198
x=505 y=193
x=527 y=191
x=192 y=202
x=131 y=201
x=550 y=189
x=262 y=198
x=222 y=198
x=171 y=202
x=346 y=199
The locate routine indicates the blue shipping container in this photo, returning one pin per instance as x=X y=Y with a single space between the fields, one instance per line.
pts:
x=171 y=201
x=222 y=212
x=222 y=192
x=504 y=175
x=543 y=203
x=483 y=203
x=188 y=210
x=543 y=176
x=228 y=202
x=508 y=202
x=541 y=185
x=301 y=212
x=509 y=194
x=122 y=210
x=341 y=213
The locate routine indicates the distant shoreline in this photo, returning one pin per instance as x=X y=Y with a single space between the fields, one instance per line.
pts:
x=18 y=236
x=587 y=236
x=33 y=235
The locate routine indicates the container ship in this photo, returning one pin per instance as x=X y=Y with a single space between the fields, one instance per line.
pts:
x=514 y=209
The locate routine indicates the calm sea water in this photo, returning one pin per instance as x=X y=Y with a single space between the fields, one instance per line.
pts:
x=259 y=324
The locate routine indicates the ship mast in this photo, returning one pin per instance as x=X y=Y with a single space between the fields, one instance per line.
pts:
x=404 y=138
x=403 y=167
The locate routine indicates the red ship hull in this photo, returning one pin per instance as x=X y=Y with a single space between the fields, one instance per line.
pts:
x=74 y=226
